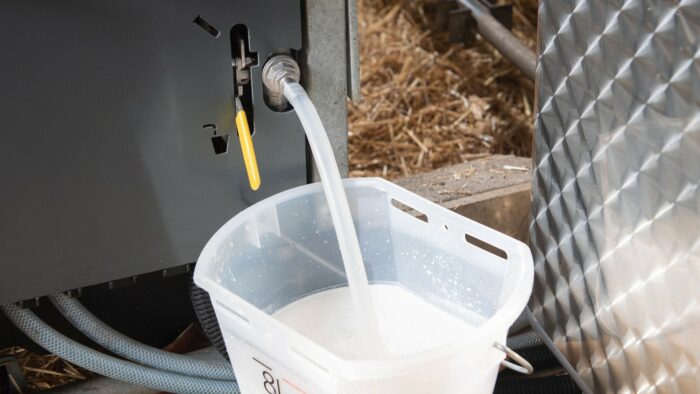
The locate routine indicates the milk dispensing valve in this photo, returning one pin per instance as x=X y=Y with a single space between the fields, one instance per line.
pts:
x=278 y=70
x=243 y=59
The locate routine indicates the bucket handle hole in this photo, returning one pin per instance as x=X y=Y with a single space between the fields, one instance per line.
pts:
x=485 y=246
x=405 y=208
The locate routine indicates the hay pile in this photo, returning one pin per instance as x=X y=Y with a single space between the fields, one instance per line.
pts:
x=427 y=103
x=45 y=372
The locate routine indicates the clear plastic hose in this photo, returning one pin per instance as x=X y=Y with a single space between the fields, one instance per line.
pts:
x=339 y=209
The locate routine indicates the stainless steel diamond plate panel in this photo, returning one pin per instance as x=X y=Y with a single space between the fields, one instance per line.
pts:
x=616 y=203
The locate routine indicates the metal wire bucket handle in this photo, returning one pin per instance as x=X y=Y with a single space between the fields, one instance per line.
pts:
x=522 y=366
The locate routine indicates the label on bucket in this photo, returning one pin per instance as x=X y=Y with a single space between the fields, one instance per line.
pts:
x=273 y=384
x=259 y=374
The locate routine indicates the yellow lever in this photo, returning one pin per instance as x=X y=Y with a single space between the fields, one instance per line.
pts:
x=251 y=164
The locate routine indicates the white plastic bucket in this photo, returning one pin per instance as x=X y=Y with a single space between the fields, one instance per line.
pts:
x=284 y=248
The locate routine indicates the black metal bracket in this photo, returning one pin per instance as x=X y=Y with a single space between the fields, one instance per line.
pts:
x=502 y=12
x=178 y=270
x=11 y=378
x=120 y=283
x=461 y=26
x=442 y=10
x=458 y=20
x=75 y=293
x=30 y=303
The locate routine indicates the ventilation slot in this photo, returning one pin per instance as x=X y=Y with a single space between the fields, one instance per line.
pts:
x=409 y=210
x=483 y=245
x=219 y=142
x=213 y=31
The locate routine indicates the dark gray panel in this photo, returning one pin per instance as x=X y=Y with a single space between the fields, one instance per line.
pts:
x=105 y=169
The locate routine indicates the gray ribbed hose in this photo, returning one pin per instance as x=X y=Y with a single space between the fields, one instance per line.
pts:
x=524 y=341
x=53 y=341
x=120 y=344
x=207 y=317
x=520 y=323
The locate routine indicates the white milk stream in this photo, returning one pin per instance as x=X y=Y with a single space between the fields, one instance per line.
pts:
x=340 y=214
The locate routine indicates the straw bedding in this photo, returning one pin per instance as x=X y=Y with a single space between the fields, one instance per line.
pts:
x=427 y=103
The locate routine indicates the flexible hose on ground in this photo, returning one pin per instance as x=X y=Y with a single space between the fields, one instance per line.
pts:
x=120 y=344
x=207 y=318
x=55 y=342
x=526 y=340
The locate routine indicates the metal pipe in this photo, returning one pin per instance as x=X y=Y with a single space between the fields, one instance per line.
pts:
x=557 y=353
x=502 y=39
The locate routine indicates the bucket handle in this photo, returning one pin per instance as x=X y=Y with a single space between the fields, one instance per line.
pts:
x=522 y=366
